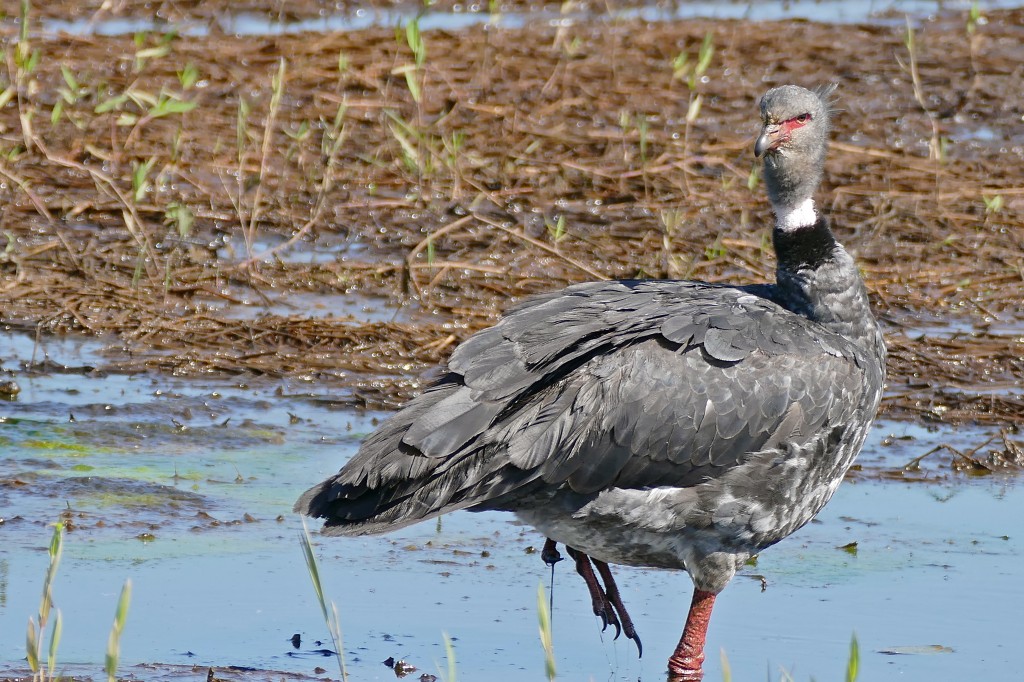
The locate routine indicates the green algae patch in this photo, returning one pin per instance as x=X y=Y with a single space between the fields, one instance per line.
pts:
x=124 y=500
x=72 y=449
x=102 y=491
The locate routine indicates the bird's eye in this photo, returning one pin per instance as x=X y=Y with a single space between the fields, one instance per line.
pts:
x=803 y=118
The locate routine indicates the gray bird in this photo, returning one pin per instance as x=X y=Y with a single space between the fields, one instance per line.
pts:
x=670 y=424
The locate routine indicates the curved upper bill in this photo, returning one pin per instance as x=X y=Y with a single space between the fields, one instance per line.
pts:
x=770 y=138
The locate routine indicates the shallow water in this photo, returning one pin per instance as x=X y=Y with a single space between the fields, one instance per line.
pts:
x=186 y=489
x=475 y=14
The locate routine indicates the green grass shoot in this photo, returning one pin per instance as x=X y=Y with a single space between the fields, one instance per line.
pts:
x=556 y=230
x=993 y=204
x=853 y=664
x=544 y=618
x=449 y=652
x=414 y=72
x=188 y=76
x=114 y=640
x=140 y=178
x=726 y=668
x=974 y=17
x=37 y=625
x=330 y=614
x=642 y=128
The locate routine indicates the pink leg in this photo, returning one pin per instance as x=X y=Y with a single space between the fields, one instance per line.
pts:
x=686 y=663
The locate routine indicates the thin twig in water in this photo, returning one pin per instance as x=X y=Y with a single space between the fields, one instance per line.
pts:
x=541 y=245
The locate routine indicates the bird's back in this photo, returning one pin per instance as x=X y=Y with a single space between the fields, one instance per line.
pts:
x=629 y=385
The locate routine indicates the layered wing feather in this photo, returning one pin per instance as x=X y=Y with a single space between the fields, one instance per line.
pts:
x=625 y=384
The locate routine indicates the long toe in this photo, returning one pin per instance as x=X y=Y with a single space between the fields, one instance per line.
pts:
x=606 y=612
x=631 y=634
x=603 y=607
x=614 y=599
x=610 y=618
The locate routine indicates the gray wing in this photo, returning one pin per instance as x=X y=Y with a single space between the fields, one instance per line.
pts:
x=627 y=384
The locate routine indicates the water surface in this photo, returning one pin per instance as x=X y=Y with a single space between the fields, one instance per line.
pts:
x=469 y=15
x=186 y=489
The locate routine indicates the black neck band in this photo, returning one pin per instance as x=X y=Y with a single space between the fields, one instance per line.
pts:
x=806 y=247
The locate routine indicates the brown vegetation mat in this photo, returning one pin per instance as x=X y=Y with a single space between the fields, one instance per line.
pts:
x=154 y=189
x=298 y=10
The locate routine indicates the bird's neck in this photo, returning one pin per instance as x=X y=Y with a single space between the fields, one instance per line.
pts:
x=818 y=279
x=790 y=218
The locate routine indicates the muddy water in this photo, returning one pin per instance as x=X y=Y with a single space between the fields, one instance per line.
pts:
x=186 y=489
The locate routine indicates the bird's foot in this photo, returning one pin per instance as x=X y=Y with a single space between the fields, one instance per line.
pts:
x=550 y=553
x=606 y=600
x=614 y=599
x=603 y=608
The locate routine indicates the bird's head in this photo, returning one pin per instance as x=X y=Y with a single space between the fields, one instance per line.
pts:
x=793 y=140
x=794 y=120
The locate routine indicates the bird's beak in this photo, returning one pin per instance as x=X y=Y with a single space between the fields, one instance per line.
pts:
x=770 y=138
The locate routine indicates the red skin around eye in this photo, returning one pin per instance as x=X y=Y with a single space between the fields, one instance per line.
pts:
x=787 y=127
x=774 y=135
x=792 y=124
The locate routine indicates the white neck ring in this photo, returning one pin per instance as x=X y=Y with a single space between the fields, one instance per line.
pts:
x=791 y=219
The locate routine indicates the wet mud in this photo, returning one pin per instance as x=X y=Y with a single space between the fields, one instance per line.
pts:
x=519 y=160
